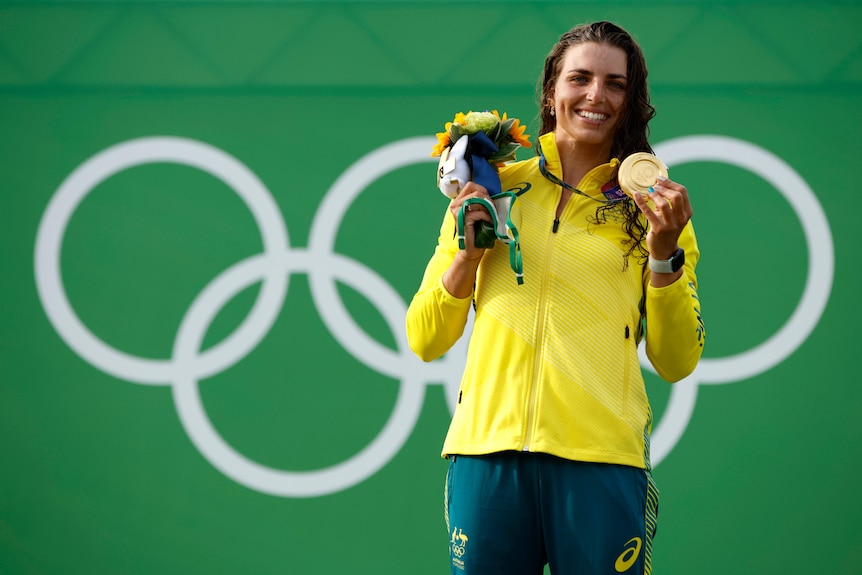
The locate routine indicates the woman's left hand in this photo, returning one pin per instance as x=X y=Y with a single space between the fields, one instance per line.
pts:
x=668 y=215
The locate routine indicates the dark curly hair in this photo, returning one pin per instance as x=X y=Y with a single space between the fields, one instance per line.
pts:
x=632 y=134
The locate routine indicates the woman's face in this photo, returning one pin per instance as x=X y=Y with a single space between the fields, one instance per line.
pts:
x=590 y=94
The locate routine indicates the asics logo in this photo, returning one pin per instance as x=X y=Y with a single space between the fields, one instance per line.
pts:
x=189 y=363
x=628 y=557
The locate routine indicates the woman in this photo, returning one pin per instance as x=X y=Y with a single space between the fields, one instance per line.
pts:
x=549 y=444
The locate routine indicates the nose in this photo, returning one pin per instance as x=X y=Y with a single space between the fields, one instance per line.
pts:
x=596 y=91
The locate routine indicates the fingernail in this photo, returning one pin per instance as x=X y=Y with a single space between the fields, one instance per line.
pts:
x=661 y=179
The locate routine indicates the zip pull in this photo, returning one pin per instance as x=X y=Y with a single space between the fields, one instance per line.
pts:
x=556 y=225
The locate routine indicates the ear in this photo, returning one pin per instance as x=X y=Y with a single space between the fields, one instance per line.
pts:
x=552 y=106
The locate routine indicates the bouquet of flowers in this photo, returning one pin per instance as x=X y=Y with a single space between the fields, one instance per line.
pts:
x=491 y=139
x=472 y=147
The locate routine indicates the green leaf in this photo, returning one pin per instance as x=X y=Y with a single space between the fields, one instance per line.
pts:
x=508 y=149
x=507 y=125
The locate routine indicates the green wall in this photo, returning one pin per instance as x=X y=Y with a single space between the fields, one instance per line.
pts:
x=214 y=215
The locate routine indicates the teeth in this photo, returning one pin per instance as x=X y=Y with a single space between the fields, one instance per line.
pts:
x=593 y=116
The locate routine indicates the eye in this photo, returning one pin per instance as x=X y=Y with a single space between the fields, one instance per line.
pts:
x=579 y=79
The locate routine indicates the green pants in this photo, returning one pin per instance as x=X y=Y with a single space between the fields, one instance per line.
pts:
x=512 y=513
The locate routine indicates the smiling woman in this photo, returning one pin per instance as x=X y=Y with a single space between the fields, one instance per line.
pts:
x=588 y=101
x=101 y=475
x=548 y=446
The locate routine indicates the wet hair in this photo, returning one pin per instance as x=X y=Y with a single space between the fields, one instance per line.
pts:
x=632 y=133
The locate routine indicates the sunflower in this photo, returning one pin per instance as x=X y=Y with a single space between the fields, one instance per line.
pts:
x=443 y=141
x=516 y=132
x=506 y=133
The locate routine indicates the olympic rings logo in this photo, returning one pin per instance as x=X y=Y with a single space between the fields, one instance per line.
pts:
x=189 y=364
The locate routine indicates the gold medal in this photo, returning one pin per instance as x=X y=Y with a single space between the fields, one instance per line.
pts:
x=639 y=172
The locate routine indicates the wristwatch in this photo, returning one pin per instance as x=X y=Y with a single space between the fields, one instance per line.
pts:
x=668 y=266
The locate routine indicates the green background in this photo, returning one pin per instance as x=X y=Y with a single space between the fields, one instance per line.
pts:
x=98 y=474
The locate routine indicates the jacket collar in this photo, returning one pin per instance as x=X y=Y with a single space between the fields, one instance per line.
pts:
x=594 y=179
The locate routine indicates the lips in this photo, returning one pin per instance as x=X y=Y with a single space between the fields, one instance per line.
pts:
x=594 y=116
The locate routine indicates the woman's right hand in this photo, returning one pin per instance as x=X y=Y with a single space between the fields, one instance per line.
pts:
x=473 y=214
x=460 y=278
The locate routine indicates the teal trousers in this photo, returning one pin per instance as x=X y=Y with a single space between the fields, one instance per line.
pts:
x=513 y=512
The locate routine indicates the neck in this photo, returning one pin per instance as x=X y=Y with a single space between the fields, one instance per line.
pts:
x=578 y=158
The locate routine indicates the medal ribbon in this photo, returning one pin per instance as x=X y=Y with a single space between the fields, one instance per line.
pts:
x=543 y=167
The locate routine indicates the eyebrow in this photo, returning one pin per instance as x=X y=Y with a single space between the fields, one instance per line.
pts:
x=591 y=73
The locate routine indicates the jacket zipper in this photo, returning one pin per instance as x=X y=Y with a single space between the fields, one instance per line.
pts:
x=534 y=388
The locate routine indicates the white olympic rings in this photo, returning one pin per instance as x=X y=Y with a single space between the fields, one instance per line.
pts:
x=818 y=285
x=189 y=364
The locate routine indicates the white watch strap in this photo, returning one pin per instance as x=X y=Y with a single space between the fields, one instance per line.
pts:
x=667 y=266
x=660 y=266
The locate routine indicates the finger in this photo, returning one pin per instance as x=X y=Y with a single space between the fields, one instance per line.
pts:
x=672 y=204
x=470 y=235
x=676 y=194
x=473 y=212
x=643 y=205
x=476 y=212
x=474 y=190
x=660 y=202
x=470 y=190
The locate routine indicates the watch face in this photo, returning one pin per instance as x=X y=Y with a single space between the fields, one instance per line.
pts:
x=670 y=265
x=677 y=259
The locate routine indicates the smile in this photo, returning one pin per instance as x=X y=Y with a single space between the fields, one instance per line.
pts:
x=592 y=116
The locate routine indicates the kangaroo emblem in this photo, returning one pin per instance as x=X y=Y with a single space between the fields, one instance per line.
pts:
x=458 y=534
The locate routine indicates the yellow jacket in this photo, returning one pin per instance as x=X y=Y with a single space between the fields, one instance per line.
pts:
x=552 y=364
